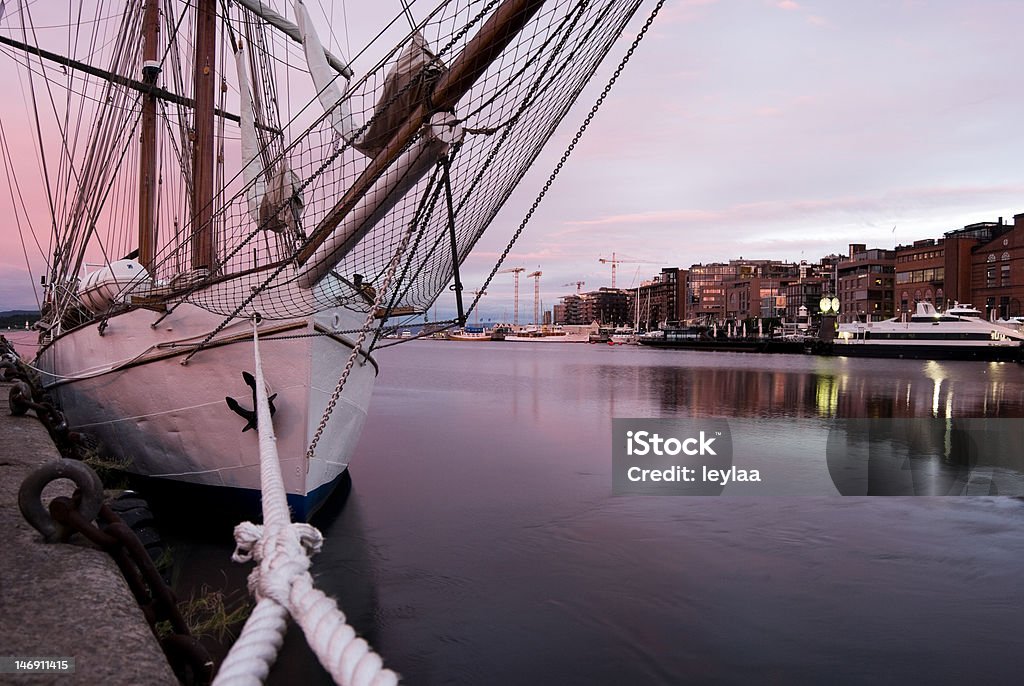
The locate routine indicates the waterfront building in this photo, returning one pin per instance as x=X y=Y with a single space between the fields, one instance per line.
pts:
x=997 y=271
x=706 y=295
x=569 y=311
x=659 y=300
x=920 y=274
x=866 y=284
x=709 y=286
x=959 y=257
x=607 y=306
x=806 y=292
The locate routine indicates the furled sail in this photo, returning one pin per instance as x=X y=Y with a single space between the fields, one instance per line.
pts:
x=271 y=195
x=256 y=185
x=281 y=207
x=328 y=90
x=405 y=88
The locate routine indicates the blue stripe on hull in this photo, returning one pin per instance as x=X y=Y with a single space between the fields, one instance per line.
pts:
x=231 y=503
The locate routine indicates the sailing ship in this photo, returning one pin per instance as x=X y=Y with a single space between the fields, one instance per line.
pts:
x=214 y=166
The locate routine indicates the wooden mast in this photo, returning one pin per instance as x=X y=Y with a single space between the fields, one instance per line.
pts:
x=147 y=156
x=204 y=78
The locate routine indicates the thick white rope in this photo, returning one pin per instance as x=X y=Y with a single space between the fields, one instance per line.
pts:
x=282 y=584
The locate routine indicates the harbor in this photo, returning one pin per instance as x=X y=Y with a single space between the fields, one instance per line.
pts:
x=531 y=572
x=461 y=342
x=534 y=507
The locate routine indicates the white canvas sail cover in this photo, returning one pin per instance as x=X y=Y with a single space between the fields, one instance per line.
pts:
x=326 y=79
x=280 y=209
x=255 y=184
x=407 y=85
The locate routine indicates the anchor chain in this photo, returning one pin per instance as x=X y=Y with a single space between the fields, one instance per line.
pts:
x=363 y=333
x=569 y=149
x=67 y=516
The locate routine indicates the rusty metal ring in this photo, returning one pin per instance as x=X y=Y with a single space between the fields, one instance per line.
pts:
x=20 y=398
x=31 y=491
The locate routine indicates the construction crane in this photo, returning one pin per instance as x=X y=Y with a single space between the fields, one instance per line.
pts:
x=536 y=294
x=515 y=308
x=577 y=284
x=614 y=262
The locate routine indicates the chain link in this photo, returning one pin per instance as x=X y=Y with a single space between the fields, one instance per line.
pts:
x=363 y=332
x=568 y=151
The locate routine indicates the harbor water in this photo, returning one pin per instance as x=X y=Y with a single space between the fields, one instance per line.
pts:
x=480 y=542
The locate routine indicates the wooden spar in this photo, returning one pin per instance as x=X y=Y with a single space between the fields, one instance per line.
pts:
x=493 y=37
x=292 y=31
x=147 y=154
x=138 y=86
x=204 y=77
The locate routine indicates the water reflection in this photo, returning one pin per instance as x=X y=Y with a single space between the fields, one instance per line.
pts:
x=504 y=559
x=825 y=388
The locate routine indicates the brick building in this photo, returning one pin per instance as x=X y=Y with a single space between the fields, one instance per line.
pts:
x=662 y=299
x=997 y=272
x=608 y=306
x=866 y=283
x=920 y=274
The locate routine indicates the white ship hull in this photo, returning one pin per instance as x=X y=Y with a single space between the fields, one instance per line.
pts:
x=129 y=388
x=959 y=333
x=552 y=336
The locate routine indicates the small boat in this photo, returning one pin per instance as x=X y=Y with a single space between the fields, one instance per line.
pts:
x=548 y=335
x=470 y=333
x=959 y=333
x=624 y=335
x=705 y=339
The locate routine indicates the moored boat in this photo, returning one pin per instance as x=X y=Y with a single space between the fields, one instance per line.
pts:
x=704 y=339
x=959 y=333
x=470 y=333
x=222 y=188
x=556 y=334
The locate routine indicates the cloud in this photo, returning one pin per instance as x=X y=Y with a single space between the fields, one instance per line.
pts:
x=790 y=210
x=787 y=5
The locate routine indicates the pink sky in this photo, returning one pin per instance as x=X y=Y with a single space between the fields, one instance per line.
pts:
x=754 y=128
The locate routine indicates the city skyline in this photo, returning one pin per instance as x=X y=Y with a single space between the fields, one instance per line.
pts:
x=769 y=130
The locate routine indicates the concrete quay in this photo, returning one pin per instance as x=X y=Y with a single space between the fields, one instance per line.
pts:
x=63 y=600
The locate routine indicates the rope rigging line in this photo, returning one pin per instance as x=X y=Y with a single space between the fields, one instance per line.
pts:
x=282 y=584
x=569 y=149
x=361 y=339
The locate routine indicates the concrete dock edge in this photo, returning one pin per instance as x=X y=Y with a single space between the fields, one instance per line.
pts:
x=63 y=600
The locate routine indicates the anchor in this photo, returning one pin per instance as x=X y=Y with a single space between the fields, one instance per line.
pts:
x=249 y=415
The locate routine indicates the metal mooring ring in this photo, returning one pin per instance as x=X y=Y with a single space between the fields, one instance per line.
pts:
x=31 y=492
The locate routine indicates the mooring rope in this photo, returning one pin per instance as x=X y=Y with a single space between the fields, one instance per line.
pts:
x=282 y=584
